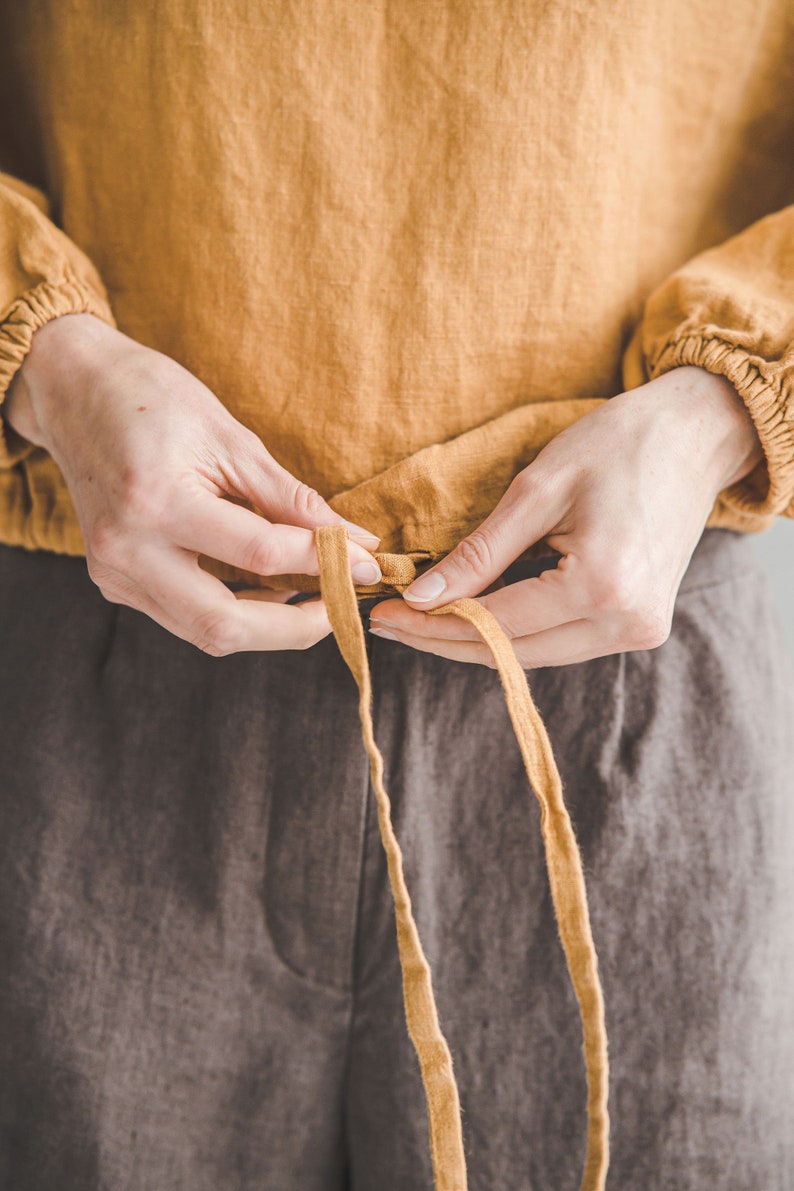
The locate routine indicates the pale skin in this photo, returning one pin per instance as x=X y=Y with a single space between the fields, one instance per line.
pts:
x=624 y=494
x=149 y=452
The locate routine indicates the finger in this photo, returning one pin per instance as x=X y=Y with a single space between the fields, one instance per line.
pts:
x=229 y=533
x=193 y=605
x=254 y=474
x=258 y=634
x=529 y=606
x=266 y=595
x=576 y=641
x=524 y=515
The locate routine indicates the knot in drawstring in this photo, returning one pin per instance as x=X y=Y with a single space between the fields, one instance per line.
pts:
x=564 y=865
x=397 y=572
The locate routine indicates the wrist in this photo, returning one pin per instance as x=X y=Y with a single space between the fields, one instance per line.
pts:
x=58 y=359
x=727 y=442
x=737 y=446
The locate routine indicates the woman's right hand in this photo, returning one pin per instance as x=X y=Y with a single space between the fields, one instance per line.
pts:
x=149 y=453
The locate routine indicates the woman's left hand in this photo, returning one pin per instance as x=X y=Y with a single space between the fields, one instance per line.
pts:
x=623 y=494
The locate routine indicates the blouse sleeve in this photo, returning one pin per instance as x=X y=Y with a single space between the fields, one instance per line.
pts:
x=730 y=310
x=43 y=274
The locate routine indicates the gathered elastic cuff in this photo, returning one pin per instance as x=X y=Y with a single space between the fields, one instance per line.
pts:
x=46 y=301
x=767 y=490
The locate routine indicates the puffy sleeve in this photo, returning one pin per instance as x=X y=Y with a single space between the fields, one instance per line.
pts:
x=43 y=274
x=730 y=310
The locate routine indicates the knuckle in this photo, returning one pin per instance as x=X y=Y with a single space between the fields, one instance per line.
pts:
x=307 y=629
x=105 y=546
x=512 y=624
x=245 y=443
x=536 y=486
x=217 y=633
x=306 y=639
x=625 y=595
x=615 y=590
x=526 y=485
x=648 y=629
x=141 y=500
x=605 y=595
x=475 y=552
x=307 y=502
x=311 y=633
x=98 y=574
x=109 y=583
x=113 y=595
x=262 y=556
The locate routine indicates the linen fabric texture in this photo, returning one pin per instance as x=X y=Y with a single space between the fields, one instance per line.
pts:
x=405 y=248
x=199 y=975
x=405 y=245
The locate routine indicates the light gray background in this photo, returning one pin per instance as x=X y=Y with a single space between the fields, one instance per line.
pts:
x=775 y=549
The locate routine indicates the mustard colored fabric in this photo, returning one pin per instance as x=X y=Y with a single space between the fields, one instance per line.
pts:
x=406 y=244
x=435 y=1061
x=564 y=865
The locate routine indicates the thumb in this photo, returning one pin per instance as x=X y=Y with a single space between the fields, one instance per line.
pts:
x=479 y=559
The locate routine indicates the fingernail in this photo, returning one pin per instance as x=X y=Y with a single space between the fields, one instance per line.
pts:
x=429 y=587
x=366 y=573
x=358 y=532
x=383 y=633
x=376 y=621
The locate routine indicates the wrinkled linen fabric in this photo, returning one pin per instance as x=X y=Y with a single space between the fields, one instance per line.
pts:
x=405 y=244
x=407 y=249
x=199 y=974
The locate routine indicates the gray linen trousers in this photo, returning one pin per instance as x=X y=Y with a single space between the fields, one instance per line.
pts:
x=199 y=980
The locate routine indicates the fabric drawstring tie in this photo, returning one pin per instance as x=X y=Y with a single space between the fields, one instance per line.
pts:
x=563 y=862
